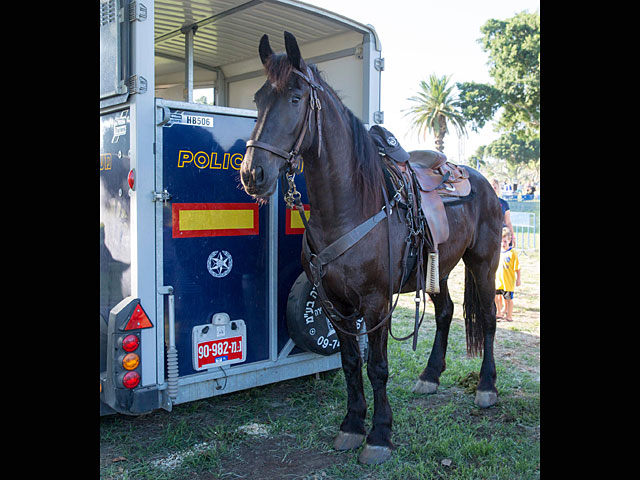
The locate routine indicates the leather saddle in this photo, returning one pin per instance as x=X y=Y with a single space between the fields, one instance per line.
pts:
x=440 y=182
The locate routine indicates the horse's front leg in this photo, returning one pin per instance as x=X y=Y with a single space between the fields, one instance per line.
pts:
x=379 y=446
x=352 y=430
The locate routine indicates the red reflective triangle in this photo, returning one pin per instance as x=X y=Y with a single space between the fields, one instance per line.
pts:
x=138 y=319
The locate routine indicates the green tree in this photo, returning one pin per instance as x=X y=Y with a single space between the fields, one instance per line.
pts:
x=513 y=46
x=478 y=103
x=435 y=107
x=515 y=150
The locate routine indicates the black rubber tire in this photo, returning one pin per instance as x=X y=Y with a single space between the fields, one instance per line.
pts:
x=308 y=325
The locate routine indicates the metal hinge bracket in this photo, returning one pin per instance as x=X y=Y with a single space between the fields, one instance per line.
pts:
x=378 y=116
x=378 y=63
x=137 y=11
x=137 y=84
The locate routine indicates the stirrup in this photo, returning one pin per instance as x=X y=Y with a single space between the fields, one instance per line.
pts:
x=432 y=281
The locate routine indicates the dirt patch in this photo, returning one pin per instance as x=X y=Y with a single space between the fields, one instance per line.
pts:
x=257 y=459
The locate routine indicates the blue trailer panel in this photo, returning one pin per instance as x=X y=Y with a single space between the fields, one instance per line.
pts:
x=216 y=240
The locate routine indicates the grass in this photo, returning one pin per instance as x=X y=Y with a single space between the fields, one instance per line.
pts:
x=285 y=430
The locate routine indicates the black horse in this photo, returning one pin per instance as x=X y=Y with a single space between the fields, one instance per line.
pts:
x=300 y=114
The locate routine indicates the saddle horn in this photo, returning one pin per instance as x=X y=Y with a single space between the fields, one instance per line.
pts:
x=265 y=49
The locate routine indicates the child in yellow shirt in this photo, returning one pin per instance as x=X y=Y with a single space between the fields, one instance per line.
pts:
x=507 y=278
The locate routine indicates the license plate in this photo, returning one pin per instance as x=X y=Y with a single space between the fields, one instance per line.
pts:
x=219 y=344
x=220 y=351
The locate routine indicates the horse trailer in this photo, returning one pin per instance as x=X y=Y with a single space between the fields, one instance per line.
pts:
x=201 y=288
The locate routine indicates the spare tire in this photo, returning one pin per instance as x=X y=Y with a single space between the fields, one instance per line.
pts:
x=308 y=325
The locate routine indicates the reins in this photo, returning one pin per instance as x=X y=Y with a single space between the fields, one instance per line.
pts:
x=345 y=242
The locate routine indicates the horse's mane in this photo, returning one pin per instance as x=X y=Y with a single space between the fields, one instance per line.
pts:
x=368 y=177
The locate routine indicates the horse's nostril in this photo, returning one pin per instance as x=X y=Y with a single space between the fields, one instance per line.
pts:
x=246 y=177
x=259 y=174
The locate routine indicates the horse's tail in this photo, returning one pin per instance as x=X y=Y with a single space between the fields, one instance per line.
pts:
x=472 y=315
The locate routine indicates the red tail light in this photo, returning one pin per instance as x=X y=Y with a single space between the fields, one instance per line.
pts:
x=131 y=379
x=130 y=343
x=131 y=178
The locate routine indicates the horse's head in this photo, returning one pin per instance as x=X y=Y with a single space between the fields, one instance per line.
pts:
x=284 y=108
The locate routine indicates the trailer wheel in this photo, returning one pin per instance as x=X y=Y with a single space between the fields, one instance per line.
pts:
x=308 y=325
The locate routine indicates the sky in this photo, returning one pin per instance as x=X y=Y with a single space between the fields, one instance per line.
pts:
x=421 y=37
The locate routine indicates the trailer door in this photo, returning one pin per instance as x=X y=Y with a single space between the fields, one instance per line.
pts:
x=214 y=236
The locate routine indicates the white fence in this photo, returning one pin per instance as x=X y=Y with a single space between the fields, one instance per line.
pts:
x=524 y=228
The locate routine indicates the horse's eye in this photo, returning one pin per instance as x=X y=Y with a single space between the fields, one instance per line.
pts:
x=295 y=99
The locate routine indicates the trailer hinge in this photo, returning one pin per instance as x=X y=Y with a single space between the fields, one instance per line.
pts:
x=378 y=63
x=378 y=116
x=137 y=84
x=137 y=11
x=163 y=196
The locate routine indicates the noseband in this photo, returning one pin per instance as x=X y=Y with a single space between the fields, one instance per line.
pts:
x=292 y=157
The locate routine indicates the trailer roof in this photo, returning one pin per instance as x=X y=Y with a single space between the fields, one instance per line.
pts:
x=229 y=30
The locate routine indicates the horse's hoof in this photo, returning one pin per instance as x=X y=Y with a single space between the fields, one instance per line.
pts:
x=373 y=454
x=422 y=386
x=486 y=399
x=347 y=441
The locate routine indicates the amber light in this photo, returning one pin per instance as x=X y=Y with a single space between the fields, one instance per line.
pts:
x=130 y=361
x=131 y=379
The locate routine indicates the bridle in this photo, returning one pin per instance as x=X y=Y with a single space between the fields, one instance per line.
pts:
x=291 y=157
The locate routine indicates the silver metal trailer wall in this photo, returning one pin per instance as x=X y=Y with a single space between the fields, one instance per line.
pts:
x=147 y=102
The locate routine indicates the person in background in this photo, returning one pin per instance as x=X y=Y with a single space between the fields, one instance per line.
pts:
x=506 y=214
x=507 y=278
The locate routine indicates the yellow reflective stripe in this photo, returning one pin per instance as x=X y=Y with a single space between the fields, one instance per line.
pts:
x=296 y=221
x=215 y=219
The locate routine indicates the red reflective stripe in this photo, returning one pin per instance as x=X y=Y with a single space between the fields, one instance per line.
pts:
x=295 y=227
x=222 y=222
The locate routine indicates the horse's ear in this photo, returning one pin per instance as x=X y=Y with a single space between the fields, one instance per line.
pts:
x=293 y=52
x=265 y=49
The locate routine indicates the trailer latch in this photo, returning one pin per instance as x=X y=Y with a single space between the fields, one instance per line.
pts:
x=163 y=196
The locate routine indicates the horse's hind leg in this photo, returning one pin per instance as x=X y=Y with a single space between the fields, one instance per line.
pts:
x=429 y=379
x=352 y=430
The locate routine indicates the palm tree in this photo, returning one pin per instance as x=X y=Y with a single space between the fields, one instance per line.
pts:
x=435 y=107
